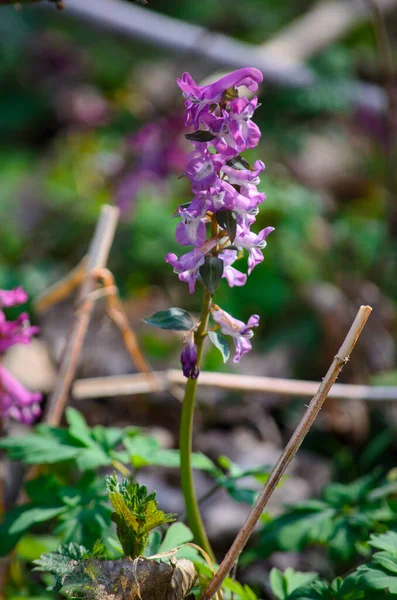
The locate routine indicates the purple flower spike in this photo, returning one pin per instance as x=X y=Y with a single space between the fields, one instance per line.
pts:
x=225 y=188
x=12 y=297
x=189 y=357
x=16 y=401
x=239 y=331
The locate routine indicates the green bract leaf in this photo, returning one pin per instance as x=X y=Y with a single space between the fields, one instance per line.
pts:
x=228 y=221
x=201 y=135
x=238 y=162
x=211 y=273
x=221 y=343
x=176 y=319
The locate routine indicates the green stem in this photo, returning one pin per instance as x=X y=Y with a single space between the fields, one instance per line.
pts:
x=185 y=440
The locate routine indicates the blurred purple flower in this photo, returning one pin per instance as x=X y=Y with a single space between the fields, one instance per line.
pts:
x=12 y=297
x=16 y=401
x=15 y=332
x=156 y=151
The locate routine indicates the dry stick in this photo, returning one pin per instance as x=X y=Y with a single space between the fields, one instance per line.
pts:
x=62 y=288
x=117 y=314
x=127 y=385
x=289 y=452
x=323 y=24
x=96 y=258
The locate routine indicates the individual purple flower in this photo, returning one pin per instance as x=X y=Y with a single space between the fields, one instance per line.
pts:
x=234 y=130
x=12 y=297
x=202 y=170
x=243 y=176
x=15 y=332
x=233 y=276
x=254 y=243
x=191 y=231
x=199 y=98
x=187 y=266
x=16 y=401
x=189 y=357
x=239 y=331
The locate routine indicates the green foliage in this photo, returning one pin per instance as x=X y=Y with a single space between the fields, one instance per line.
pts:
x=376 y=580
x=231 y=478
x=176 y=319
x=341 y=521
x=136 y=514
x=283 y=584
x=61 y=563
x=80 y=512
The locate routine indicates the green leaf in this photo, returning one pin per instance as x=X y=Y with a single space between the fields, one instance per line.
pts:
x=283 y=584
x=200 y=136
x=38 y=449
x=227 y=220
x=145 y=450
x=211 y=273
x=175 y=319
x=221 y=343
x=19 y=520
x=176 y=535
x=62 y=563
x=379 y=579
x=385 y=541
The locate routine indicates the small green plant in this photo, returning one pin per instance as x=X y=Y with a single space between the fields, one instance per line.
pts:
x=136 y=514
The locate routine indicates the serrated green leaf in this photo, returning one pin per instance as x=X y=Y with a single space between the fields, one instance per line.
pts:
x=385 y=541
x=221 y=343
x=136 y=514
x=175 y=319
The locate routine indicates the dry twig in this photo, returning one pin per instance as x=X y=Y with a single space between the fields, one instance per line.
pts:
x=128 y=385
x=96 y=258
x=62 y=288
x=289 y=452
